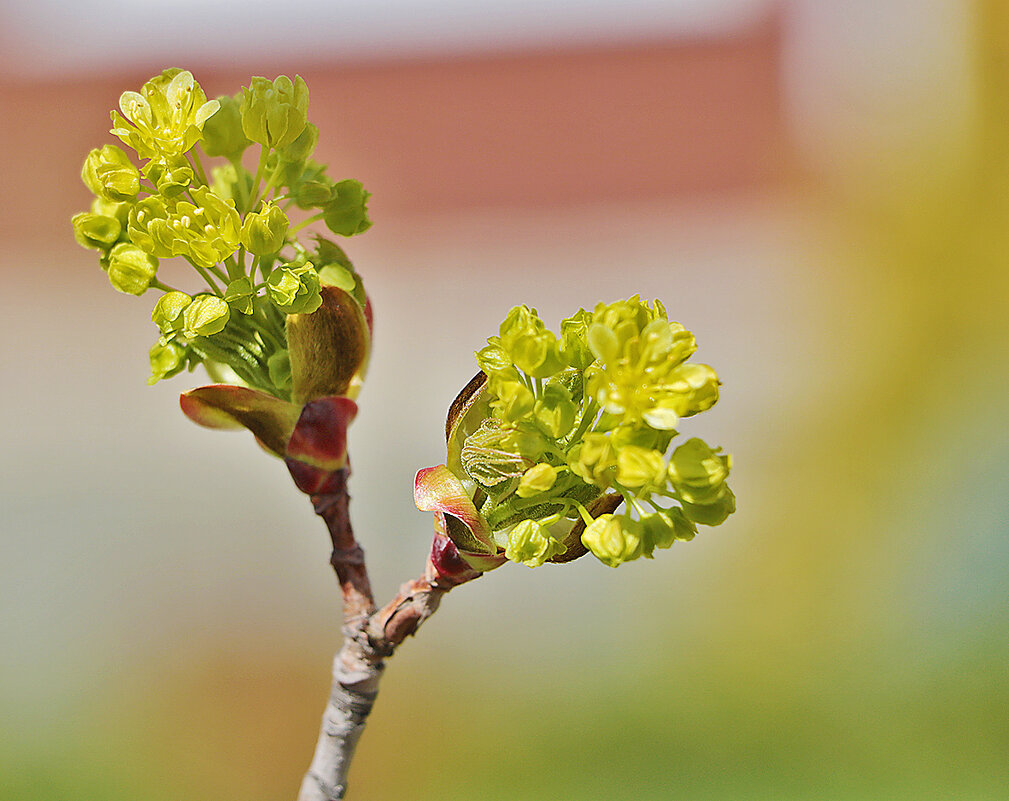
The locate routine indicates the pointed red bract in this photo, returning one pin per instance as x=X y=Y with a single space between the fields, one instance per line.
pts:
x=449 y=564
x=320 y=436
x=436 y=489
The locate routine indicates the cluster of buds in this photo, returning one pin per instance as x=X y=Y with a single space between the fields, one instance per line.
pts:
x=557 y=432
x=229 y=222
x=545 y=445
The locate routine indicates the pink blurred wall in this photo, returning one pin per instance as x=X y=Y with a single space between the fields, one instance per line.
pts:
x=524 y=129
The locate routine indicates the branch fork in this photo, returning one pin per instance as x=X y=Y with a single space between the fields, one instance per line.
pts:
x=370 y=635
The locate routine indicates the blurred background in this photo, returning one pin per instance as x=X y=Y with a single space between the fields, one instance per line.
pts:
x=818 y=189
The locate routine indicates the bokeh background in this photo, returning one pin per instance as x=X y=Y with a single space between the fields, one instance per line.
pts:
x=818 y=188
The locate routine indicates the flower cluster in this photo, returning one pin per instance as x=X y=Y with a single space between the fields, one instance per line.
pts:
x=557 y=432
x=229 y=222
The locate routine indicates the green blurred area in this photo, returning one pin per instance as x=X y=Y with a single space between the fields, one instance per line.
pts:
x=851 y=642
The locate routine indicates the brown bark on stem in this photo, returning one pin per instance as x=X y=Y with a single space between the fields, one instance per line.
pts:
x=370 y=637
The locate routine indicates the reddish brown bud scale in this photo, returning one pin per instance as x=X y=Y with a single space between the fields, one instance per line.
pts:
x=320 y=436
x=271 y=419
x=448 y=565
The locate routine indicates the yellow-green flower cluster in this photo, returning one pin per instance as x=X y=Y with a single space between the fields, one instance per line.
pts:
x=588 y=415
x=230 y=221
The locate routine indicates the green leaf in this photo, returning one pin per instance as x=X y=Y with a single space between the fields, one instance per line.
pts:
x=338 y=276
x=484 y=458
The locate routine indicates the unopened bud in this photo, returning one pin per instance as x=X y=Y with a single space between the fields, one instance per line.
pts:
x=538 y=478
x=131 y=270
x=109 y=173
x=274 y=112
x=205 y=316
x=264 y=232
x=613 y=539
x=96 y=230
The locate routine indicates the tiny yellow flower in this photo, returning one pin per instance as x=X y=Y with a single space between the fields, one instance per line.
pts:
x=166 y=117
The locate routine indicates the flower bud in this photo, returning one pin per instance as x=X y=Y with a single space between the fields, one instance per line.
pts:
x=95 y=230
x=575 y=349
x=294 y=290
x=712 y=514
x=698 y=473
x=613 y=539
x=313 y=194
x=536 y=354
x=520 y=321
x=641 y=467
x=274 y=112
x=109 y=174
x=603 y=343
x=538 y=478
x=205 y=316
x=514 y=399
x=167 y=359
x=222 y=132
x=531 y=544
x=131 y=270
x=171 y=175
x=347 y=213
x=555 y=410
x=697 y=387
x=106 y=208
x=594 y=460
x=167 y=313
x=279 y=368
x=239 y=294
x=264 y=232
x=492 y=358
x=625 y=318
x=683 y=344
x=301 y=148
